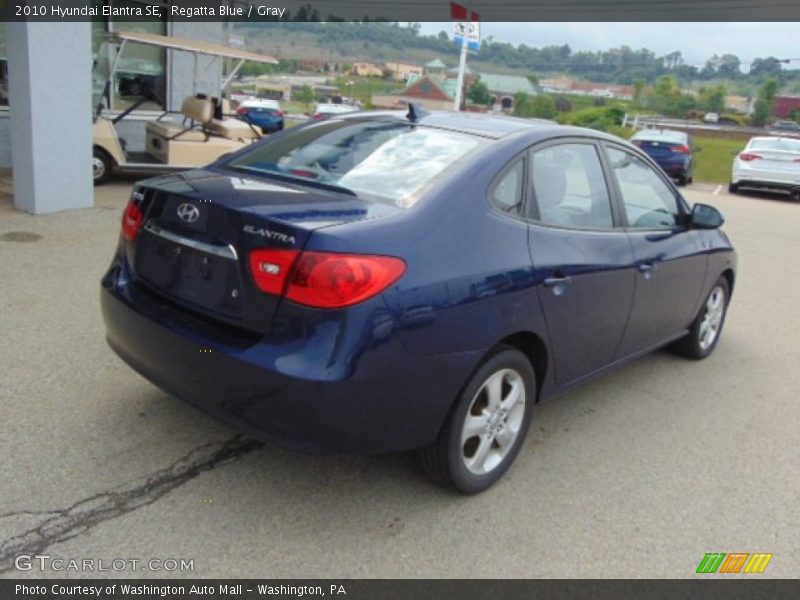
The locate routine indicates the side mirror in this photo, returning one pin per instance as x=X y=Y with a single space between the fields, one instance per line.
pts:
x=705 y=216
x=735 y=152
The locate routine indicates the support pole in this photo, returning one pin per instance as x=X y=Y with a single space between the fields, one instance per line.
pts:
x=462 y=63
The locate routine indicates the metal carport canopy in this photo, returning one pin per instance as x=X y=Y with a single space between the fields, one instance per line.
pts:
x=176 y=43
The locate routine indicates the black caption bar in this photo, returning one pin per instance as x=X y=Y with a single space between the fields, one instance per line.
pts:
x=393 y=589
x=407 y=10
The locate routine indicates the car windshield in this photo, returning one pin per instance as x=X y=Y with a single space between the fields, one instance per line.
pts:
x=384 y=161
x=775 y=144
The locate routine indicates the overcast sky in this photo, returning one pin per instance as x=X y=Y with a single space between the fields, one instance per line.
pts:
x=697 y=41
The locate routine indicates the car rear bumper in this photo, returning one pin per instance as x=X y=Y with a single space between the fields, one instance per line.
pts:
x=766 y=180
x=674 y=169
x=389 y=401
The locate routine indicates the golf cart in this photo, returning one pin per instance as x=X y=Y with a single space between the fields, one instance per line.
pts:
x=202 y=131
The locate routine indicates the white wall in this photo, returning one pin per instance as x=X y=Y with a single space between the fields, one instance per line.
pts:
x=49 y=69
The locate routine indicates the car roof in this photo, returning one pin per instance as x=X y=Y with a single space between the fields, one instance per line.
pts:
x=342 y=107
x=791 y=144
x=482 y=124
x=660 y=135
x=264 y=102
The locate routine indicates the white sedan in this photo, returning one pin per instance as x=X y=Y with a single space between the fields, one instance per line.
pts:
x=770 y=164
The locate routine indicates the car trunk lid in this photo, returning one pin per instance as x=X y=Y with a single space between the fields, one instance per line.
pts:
x=200 y=227
x=658 y=149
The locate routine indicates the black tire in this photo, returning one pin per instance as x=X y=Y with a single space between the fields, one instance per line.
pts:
x=692 y=345
x=733 y=188
x=102 y=166
x=446 y=460
x=682 y=180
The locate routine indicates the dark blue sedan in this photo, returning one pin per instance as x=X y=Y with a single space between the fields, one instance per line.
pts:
x=673 y=151
x=383 y=282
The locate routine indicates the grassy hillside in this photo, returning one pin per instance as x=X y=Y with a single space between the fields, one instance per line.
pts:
x=305 y=45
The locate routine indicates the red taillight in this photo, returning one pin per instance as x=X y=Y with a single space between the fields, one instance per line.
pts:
x=323 y=279
x=748 y=156
x=132 y=220
x=271 y=269
x=279 y=113
x=242 y=111
x=682 y=149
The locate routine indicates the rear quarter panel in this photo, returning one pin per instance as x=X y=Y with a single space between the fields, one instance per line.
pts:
x=469 y=281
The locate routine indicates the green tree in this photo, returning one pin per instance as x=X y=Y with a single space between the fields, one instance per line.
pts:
x=638 y=92
x=765 y=102
x=540 y=106
x=544 y=107
x=479 y=94
x=728 y=66
x=305 y=95
x=765 y=66
x=563 y=104
x=522 y=106
x=712 y=98
x=667 y=98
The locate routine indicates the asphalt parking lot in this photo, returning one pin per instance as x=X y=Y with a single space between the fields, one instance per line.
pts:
x=637 y=474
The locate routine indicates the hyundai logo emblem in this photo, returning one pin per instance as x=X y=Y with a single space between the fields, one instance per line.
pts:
x=188 y=212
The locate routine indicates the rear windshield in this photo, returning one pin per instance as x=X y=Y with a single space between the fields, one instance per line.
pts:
x=775 y=144
x=378 y=160
x=665 y=140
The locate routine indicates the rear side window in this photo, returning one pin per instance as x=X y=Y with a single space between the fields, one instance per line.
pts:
x=569 y=187
x=507 y=191
x=379 y=160
x=649 y=203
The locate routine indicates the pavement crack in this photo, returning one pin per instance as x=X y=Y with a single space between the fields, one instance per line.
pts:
x=62 y=524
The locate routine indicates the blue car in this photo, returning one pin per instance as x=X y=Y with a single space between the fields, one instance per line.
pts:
x=264 y=114
x=673 y=151
x=382 y=282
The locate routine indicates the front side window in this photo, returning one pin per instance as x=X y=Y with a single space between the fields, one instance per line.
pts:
x=569 y=187
x=649 y=203
x=380 y=160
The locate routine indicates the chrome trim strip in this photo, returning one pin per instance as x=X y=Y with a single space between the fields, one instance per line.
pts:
x=223 y=251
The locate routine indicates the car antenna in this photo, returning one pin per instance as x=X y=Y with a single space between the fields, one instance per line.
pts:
x=415 y=112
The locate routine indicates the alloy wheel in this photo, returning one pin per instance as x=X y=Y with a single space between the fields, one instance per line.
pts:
x=493 y=421
x=712 y=320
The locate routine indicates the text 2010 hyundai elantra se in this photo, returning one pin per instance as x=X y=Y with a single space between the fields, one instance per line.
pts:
x=383 y=282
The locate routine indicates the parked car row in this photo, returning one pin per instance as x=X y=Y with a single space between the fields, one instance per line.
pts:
x=767 y=163
x=268 y=116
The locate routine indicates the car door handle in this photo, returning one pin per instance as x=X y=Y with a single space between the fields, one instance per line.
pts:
x=645 y=268
x=554 y=281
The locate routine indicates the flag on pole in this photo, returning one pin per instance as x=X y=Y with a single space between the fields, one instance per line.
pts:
x=458 y=12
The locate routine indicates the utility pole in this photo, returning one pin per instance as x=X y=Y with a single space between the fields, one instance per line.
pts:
x=462 y=60
x=229 y=62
